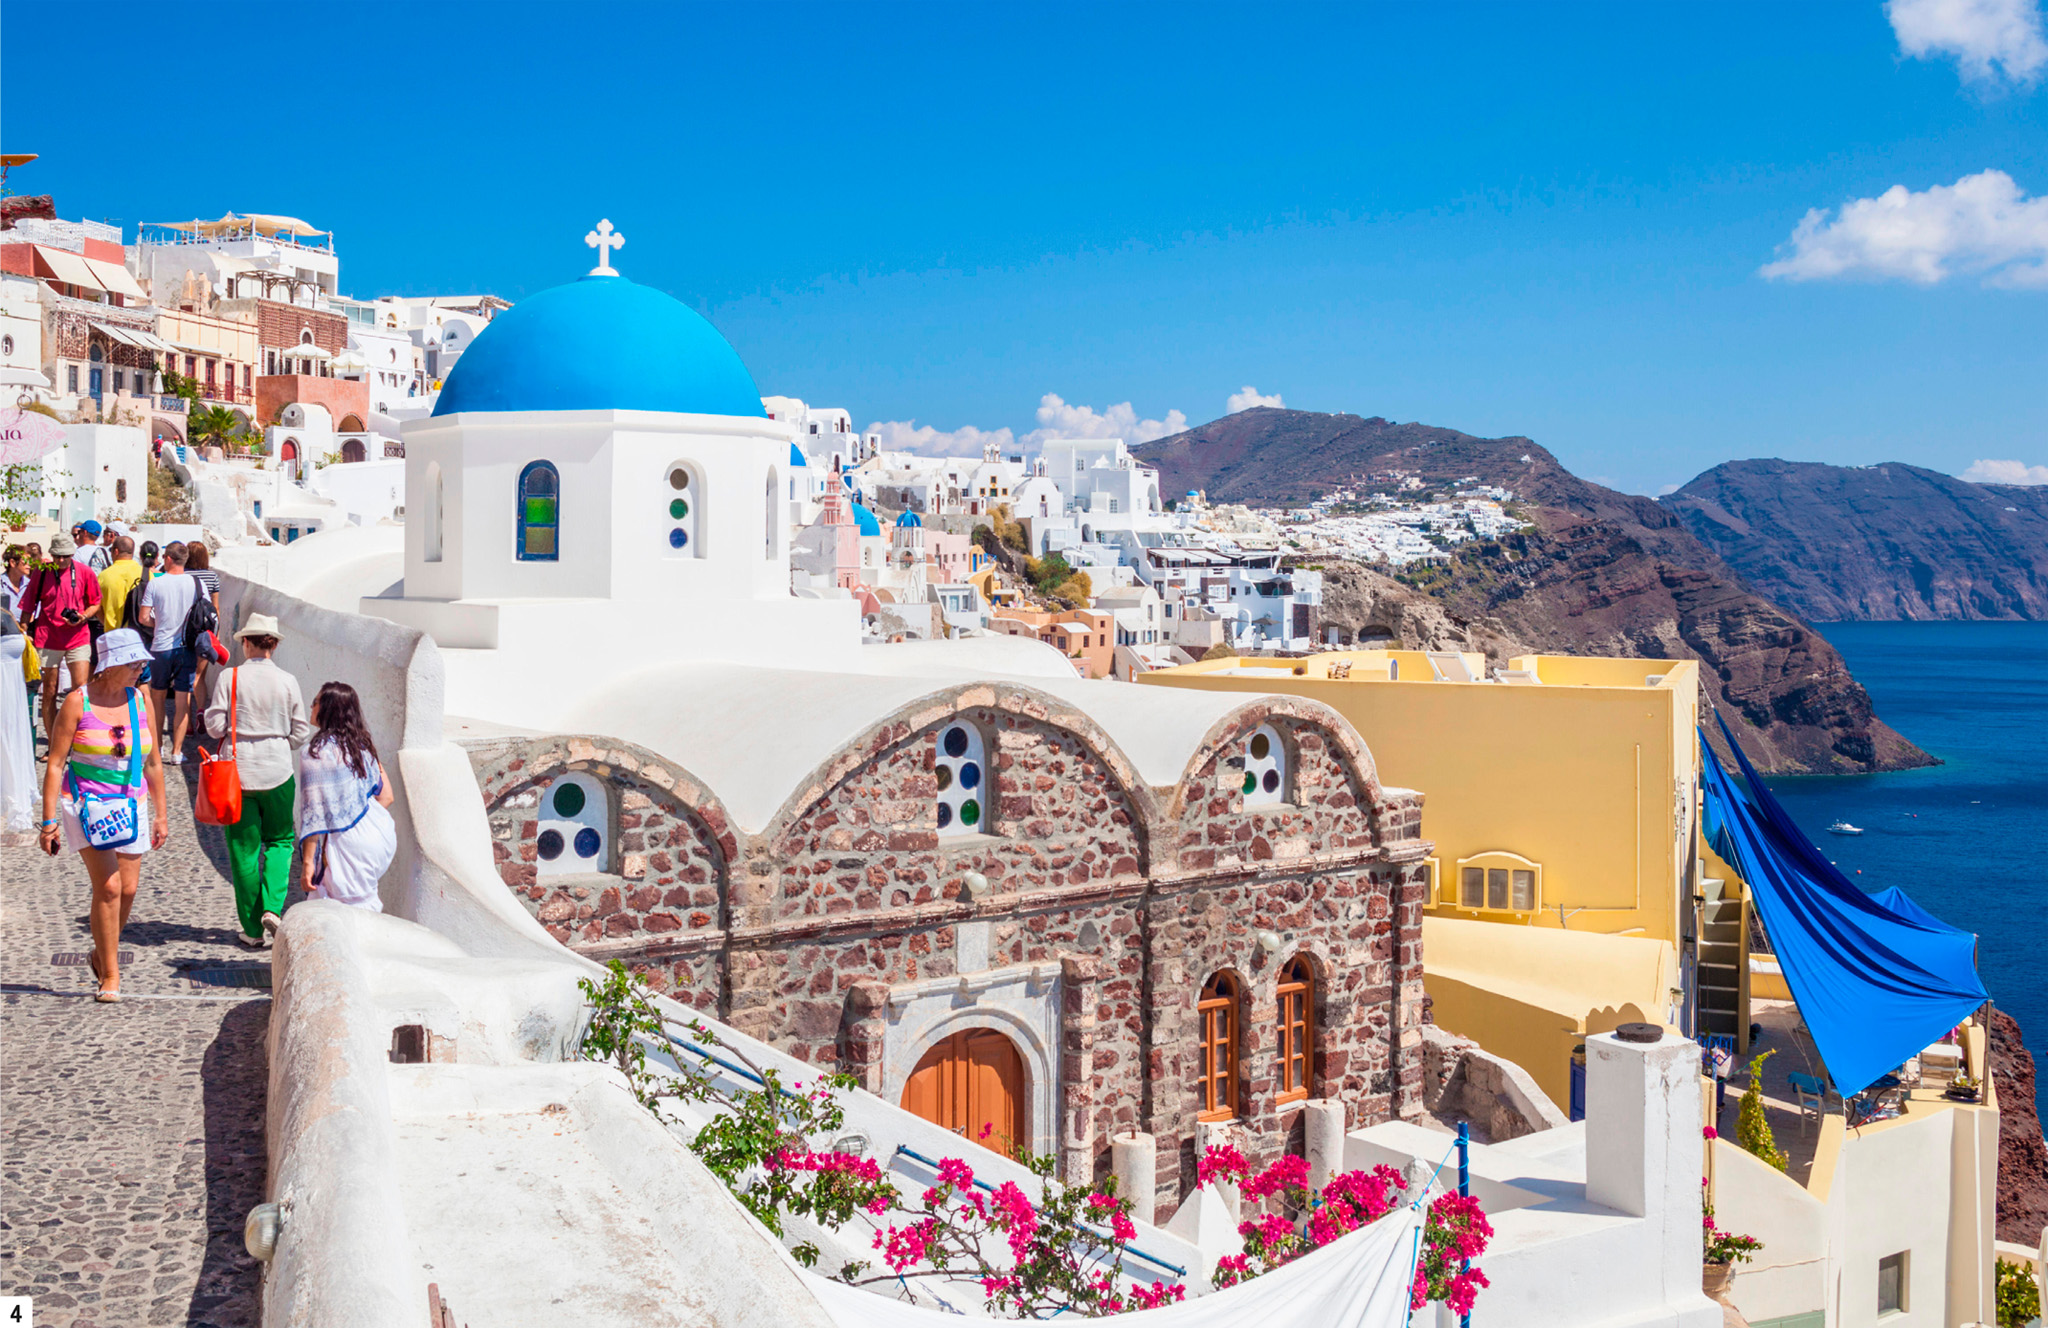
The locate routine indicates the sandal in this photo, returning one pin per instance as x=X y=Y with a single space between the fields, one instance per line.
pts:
x=108 y=995
x=105 y=995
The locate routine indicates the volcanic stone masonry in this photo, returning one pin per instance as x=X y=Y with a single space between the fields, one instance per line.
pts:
x=1114 y=901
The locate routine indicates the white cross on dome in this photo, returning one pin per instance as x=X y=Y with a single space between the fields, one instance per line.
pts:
x=604 y=240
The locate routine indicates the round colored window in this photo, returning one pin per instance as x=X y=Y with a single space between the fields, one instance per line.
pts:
x=677 y=538
x=568 y=800
x=550 y=844
x=678 y=509
x=587 y=843
x=970 y=775
x=945 y=774
x=1272 y=781
x=970 y=812
x=956 y=742
x=1251 y=782
x=945 y=816
x=1260 y=746
x=679 y=478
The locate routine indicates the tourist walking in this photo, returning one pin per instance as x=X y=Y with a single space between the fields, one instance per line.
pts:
x=61 y=596
x=17 y=731
x=118 y=598
x=92 y=554
x=148 y=555
x=199 y=566
x=14 y=580
x=347 y=836
x=103 y=793
x=166 y=607
x=258 y=707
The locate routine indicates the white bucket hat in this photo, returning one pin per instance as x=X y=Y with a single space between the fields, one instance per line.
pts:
x=121 y=646
x=259 y=624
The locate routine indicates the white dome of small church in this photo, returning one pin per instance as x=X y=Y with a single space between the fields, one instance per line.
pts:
x=601 y=343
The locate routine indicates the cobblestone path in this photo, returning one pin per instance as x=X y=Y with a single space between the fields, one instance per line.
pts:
x=133 y=1144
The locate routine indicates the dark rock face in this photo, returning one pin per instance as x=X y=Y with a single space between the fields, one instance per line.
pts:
x=1602 y=573
x=1890 y=542
x=2022 y=1155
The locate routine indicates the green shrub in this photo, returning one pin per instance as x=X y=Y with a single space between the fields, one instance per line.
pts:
x=2018 y=1295
x=1753 y=1128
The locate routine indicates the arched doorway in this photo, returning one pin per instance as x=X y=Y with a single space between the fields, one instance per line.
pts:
x=352 y=450
x=971 y=1082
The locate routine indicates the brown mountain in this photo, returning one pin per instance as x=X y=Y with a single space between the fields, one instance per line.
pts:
x=1600 y=572
x=1874 y=542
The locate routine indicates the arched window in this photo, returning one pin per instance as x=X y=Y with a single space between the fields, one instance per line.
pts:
x=540 y=496
x=1265 y=767
x=574 y=818
x=685 y=498
x=431 y=537
x=1297 y=1029
x=773 y=519
x=1218 y=1011
x=961 y=767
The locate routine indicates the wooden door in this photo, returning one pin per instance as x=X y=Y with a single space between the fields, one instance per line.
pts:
x=971 y=1081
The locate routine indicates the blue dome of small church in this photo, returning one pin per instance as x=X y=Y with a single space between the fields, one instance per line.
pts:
x=864 y=521
x=601 y=343
x=908 y=519
x=797 y=457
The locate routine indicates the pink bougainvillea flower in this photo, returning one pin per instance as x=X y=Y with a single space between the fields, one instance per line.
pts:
x=954 y=1172
x=1221 y=1162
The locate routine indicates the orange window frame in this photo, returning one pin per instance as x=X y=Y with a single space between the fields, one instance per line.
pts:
x=1297 y=1007
x=1218 y=1013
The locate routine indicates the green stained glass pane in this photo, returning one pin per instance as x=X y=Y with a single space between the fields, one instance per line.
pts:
x=540 y=511
x=678 y=509
x=970 y=812
x=1251 y=782
x=568 y=800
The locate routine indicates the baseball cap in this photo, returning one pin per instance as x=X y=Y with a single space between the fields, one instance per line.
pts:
x=92 y=528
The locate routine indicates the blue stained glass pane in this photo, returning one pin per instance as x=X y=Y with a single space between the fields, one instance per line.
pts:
x=945 y=816
x=550 y=845
x=970 y=775
x=1272 y=781
x=956 y=742
x=677 y=539
x=587 y=843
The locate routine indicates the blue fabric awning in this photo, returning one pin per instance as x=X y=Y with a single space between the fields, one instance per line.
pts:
x=1876 y=979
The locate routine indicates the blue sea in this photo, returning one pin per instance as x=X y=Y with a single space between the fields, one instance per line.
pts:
x=1964 y=838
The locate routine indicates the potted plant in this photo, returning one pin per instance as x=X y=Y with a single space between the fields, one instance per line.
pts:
x=1720 y=1251
x=1963 y=1089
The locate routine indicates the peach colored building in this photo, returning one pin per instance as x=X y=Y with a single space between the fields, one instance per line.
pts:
x=1086 y=636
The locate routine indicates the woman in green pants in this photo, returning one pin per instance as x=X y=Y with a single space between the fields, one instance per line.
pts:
x=268 y=720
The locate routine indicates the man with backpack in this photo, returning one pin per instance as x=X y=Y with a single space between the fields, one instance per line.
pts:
x=60 y=597
x=170 y=605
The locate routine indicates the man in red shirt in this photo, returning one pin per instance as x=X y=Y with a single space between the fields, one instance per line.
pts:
x=60 y=598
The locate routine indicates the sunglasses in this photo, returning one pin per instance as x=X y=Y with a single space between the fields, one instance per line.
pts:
x=119 y=732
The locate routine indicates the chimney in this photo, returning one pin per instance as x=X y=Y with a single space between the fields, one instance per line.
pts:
x=1643 y=1149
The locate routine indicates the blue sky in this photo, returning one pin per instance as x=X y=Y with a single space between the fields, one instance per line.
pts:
x=1517 y=219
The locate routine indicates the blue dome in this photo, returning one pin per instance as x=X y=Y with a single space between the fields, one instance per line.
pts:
x=908 y=519
x=602 y=343
x=797 y=457
x=865 y=520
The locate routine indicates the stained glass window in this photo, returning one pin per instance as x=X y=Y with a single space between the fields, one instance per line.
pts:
x=539 y=514
x=1265 y=768
x=959 y=766
x=575 y=819
x=683 y=500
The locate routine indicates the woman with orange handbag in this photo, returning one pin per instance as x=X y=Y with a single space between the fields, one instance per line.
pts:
x=258 y=708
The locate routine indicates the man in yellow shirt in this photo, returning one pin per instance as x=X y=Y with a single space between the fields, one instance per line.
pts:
x=117 y=582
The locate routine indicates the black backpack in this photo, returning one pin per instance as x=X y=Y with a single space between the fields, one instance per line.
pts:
x=201 y=619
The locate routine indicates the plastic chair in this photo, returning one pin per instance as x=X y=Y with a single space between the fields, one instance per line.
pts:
x=1812 y=1094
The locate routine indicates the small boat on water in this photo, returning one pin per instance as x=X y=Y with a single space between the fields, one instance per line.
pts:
x=1844 y=828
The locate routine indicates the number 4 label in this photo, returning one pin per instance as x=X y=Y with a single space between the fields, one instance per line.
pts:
x=17 y=1312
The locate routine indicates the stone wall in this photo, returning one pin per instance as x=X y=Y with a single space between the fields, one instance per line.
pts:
x=1116 y=900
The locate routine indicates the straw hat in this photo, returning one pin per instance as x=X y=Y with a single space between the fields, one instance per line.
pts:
x=259 y=624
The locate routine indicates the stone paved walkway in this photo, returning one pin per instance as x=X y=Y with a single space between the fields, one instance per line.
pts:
x=133 y=1145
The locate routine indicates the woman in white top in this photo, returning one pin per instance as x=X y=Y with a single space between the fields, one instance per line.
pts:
x=347 y=837
x=259 y=704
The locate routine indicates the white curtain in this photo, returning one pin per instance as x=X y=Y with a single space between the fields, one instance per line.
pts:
x=1361 y=1281
x=20 y=794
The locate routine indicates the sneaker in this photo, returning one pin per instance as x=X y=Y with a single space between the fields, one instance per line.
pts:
x=175 y=758
x=253 y=942
x=271 y=922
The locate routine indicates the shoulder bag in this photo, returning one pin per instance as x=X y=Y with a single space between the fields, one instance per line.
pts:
x=115 y=822
x=220 y=780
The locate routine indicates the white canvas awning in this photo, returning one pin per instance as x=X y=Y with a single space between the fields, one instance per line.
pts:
x=113 y=277
x=13 y=376
x=67 y=267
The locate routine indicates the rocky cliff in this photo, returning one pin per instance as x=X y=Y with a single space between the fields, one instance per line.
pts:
x=1884 y=542
x=1598 y=572
x=2022 y=1154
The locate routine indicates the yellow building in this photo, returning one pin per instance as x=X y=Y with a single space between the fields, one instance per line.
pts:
x=1562 y=794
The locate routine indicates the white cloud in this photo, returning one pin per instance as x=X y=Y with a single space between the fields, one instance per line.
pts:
x=1983 y=223
x=910 y=436
x=2005 y=472
x=1058 y=419
x=1992 y=41
x=1248 y=396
